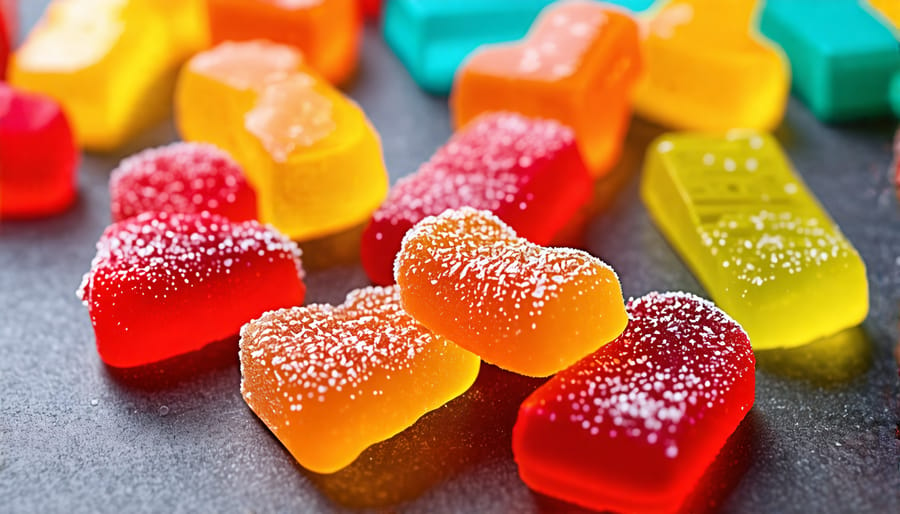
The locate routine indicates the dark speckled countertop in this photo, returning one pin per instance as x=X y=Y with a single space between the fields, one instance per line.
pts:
x=76 y=436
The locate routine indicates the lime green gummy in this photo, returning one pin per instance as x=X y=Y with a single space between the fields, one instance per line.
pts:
x=755 y=236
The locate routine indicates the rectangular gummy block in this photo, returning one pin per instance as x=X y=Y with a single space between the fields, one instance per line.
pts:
x=842 y=57
x=755 y=236
x=110 y=63
x=433 y=37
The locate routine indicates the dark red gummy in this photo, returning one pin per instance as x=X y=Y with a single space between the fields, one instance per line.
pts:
x=181 y=177
x=371 y=8
x=38 y=156
x=526 y=171
x=7 y=33
x=633 y=426
x=166 y=284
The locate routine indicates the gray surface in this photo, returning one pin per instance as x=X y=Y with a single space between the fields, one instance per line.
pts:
x=78 y=437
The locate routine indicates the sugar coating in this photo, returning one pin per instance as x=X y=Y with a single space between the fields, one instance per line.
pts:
x=467 y=242
x=180 y=177
x=483 y=166
x=675 y=361
x=319 y=348
x=247 y=64
x=160 y=254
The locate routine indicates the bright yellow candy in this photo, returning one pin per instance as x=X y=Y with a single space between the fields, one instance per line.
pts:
x=755 y=236
x=112 y=64
x=890 y=9
x=313 y=157
x=706 y=69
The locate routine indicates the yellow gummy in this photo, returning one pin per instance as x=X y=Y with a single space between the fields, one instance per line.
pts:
x=110 y=63
x=706 y=69
x=311 y=154
x=890 y=9
x=755 y=236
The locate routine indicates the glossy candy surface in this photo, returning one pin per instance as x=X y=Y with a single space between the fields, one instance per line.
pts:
x=526 y=171
x=110 y=63
x=577 y=65
x=754 y=235
x=309 y=152
x=330 y=381
x=708 y=69
x=166 y=284
x=842 y=57
x=632 y=427
x=38 y=156
x=7 y=33
x=433 y=37
x=525 y=308
x=181 y=177
x=327 y=32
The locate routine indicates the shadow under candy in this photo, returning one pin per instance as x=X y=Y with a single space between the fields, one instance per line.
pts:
x=176 y=371
x=340 y=249
x=827 y=362
x=473 y=428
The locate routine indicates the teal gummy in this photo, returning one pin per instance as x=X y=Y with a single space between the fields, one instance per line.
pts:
x=433 y=37
x=842 y=57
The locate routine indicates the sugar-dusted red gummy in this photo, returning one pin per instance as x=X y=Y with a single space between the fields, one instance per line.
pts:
x=38 y=157
x=633 y=426
x=166 y=284
x=181 y=177
x=526 y=171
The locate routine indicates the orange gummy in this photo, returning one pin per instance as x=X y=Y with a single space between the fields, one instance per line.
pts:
x=525 y=308
x=331 y=381
x=577 y=65
x=327 y=31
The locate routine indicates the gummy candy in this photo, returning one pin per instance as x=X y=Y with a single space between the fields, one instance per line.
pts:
x=327 y=32
x=370 y=8
x=310 y=153
x=331 y=381
x=165 y=284
x=526 y=171
x=632 y=427
x=38 y=157
x=466 y=276
x=576 y=65
x=7 y=33
x=757 y=239
x=181 y=177
x=842 y=58
x=110 y=63
x=433 y=37
x=707 y=68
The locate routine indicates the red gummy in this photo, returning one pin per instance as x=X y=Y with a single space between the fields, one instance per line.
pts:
x=633 y=426
x=38 y=156
x=527 y=171
x=371 y=8
x=166 y=284
x=181 y=177
x=7 y=33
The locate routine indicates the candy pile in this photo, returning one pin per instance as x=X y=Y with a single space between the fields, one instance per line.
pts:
x=204 y=247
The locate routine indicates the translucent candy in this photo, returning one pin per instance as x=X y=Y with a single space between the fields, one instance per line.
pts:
x=526 y=171
x=433 y=37
x=331 y=381
x=708 y=69
x=7 y=32
x=38 y=156
x=110 y=63
x=842 y=57
x=309 y=151
x=166 y=284
x=181 y=177
x=370 y=8
x=577 y=65
x=532 y=310
x=632 y=427
x=757 y=239
x=326 y=31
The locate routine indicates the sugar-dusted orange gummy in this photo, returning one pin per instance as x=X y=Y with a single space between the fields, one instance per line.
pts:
x=577 y=65
x=331 y=381
x=525 y=308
